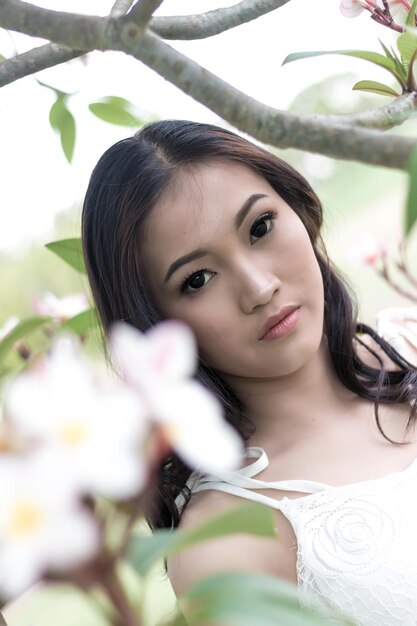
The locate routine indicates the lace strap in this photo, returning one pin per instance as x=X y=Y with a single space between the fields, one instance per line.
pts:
x=239 y=491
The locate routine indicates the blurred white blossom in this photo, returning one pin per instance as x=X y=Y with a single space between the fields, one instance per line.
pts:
x=159 y=364
x=42 y=525
x=398 y=326
x=62 y=308
x=367 y=250
x=95 y=424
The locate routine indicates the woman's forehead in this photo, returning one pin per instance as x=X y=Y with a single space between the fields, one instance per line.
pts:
x=204 y=194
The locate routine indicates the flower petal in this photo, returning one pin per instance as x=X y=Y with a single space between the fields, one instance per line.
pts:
x=191 y=418
x=172 y=350
x=166 y=352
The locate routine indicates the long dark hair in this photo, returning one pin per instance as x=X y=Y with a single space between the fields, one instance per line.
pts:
x=126 y=183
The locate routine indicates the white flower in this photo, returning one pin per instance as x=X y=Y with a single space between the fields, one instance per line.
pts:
x=398 y=326
x=96 y=425
x=61 y=308
x=42 y=525
x=159 y=364
x=8 y=326
x=367 y=250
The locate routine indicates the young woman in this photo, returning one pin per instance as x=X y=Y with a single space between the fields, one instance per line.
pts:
x=190 y=221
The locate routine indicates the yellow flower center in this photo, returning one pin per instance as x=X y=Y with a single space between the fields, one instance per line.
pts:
x=26 y=517
x=73 y=433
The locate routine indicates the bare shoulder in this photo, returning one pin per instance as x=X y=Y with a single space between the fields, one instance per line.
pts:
x=274 y=556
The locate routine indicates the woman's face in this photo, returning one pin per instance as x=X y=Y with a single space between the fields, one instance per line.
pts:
x=225 y=272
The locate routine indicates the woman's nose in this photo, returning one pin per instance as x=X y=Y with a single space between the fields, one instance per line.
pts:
x=256 y=286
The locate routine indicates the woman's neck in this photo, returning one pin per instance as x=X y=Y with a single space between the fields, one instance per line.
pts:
x=303 y=403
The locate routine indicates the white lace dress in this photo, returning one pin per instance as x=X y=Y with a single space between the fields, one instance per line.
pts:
x=356 y=544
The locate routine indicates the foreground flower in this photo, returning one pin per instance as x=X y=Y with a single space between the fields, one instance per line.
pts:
x=42 y=525
x=159 y=364
x=61 y=308
x=398 y=326
x=95 y=425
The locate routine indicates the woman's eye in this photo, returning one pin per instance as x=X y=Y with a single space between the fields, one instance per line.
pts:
x=195 y=281
x=262 y=226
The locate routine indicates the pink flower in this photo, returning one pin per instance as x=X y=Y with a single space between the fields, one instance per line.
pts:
x=367 y=250
x=61 y=308
x=353 y=8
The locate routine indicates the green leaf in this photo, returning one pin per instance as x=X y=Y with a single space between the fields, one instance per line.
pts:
x=70 y=251
x=116 y=110
x=401 y=68
x=2 y=58
x=388 y=53
x=391 y=54
x=20 y=331
x=62 y=120
x=407 y=44
x=245 y=599
x=255 y=519
x=373 y=57
x=410 y=21
x=68 y=135
x=410 y=216
x=82 y=323
x=375 y=87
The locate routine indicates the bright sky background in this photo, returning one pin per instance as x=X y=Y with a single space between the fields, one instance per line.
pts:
x=37 y=182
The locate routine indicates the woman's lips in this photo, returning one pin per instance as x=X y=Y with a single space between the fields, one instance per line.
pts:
x=283 y=326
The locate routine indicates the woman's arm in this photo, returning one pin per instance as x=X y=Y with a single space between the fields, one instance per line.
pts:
x=274 y=556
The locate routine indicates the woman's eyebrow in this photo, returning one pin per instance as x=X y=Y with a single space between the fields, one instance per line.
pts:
x=242 y=213
x=187 y=258
x=197 y=254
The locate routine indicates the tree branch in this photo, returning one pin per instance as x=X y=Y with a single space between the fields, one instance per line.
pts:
x=34 y=61
x=80 y=32
x=337 y=136
x=49 y=55
x=213 y=22
x=268 y=125
x=384 y=117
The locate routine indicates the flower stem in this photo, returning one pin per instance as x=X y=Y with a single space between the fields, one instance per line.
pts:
x=115 y=592
x=384 y=17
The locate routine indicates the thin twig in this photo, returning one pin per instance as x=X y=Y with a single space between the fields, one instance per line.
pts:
x=403 y=292
x=120 y=7
x=142 y=11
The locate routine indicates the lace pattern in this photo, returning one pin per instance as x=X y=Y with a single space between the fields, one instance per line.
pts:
x=357 y=549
